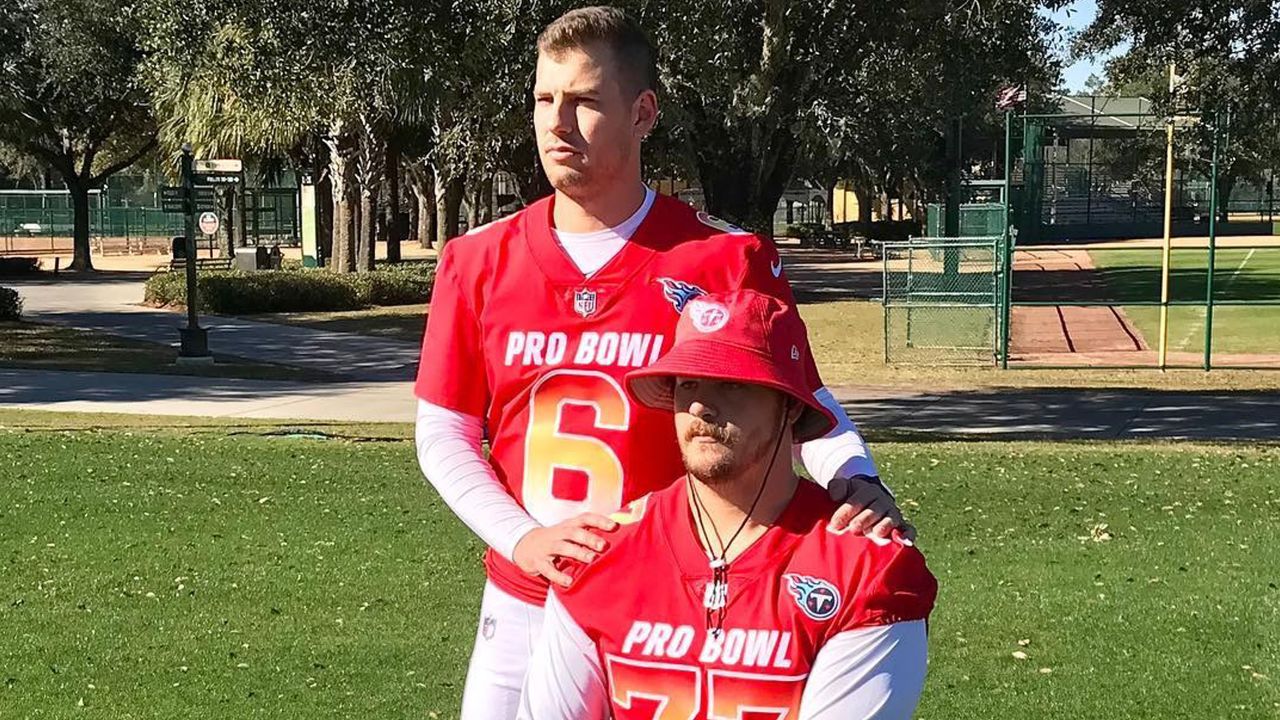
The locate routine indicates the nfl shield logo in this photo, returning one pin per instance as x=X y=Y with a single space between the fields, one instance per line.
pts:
x=584 y=302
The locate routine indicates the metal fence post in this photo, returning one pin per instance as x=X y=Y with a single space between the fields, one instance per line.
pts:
x=1213 y=245
x=884 y=298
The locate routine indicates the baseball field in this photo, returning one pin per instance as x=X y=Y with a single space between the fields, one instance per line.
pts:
x=309 y=572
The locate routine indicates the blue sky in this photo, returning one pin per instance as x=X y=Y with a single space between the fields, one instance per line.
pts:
x=1076 y=16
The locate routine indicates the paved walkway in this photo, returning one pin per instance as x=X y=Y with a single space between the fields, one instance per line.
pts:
x=987 y=414
x=381 y=371
x=109 y=303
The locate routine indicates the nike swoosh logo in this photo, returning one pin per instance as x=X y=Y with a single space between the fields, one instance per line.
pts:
x=776 y=268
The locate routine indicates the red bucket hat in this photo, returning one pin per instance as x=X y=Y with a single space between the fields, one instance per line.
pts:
x=742 y=336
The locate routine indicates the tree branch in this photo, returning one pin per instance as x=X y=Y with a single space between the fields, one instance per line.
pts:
x=117 y=167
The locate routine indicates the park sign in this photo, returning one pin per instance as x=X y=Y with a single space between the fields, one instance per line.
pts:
x=233 y=167
x=171 y=199
x=218 y=172
x=209 y=223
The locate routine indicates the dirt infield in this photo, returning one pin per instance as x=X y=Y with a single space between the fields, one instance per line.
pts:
x=1055 y=330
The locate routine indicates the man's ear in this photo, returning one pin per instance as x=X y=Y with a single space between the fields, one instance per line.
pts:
x=795 y=409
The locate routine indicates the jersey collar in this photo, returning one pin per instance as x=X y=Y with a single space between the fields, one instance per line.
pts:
x=560 y=269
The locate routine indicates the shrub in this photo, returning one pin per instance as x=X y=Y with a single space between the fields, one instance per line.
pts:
x=17 y=266
x=10 y=304
x=396 y=285
x=235 y=292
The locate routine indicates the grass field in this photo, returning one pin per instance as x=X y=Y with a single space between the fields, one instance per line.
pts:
x=216 y=572
x=1241 y=275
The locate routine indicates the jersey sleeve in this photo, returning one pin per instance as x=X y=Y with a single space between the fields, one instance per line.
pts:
x=891 y=584
x=565 y=680
x=451 y=367
x=874 y=673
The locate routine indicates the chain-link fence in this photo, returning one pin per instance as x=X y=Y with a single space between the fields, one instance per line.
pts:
x=43 y=221
x=941 y=300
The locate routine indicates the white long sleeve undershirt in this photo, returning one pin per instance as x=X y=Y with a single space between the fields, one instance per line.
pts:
x=451 y=456
x=875 y=673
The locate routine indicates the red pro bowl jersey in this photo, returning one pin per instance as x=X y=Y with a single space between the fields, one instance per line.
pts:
x=641 y=604
x=517 y=335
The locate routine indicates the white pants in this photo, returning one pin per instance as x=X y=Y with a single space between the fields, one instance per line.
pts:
x=509 y=628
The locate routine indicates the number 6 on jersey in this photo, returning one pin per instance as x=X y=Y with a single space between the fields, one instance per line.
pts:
x=549 y=448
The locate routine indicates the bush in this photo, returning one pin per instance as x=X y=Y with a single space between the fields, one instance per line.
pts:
x=17 y=266
x=235 y=292
x=10 y=304
x=396 y=285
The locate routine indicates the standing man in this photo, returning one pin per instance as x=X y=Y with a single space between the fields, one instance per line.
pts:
x=727 y=592
x=535 y=319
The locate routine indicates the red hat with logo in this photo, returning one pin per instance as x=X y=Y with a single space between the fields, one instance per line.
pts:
x=740 y=336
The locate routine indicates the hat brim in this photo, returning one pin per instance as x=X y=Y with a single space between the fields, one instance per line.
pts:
x=654 y=386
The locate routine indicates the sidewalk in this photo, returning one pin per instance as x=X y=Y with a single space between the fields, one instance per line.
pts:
x=206 y=397
x=1004 y=414
x=109 y=304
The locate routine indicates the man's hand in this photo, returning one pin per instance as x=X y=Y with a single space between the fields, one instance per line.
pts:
x=537 y=551
x=869 y=510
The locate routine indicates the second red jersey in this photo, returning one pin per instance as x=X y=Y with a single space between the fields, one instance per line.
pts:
x=516 y=334
x=642 y=605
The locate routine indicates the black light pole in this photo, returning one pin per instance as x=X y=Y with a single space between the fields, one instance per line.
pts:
x=195 y=339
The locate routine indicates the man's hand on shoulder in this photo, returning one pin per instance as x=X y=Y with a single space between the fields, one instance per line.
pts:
x=537 y=551
x=869 y=510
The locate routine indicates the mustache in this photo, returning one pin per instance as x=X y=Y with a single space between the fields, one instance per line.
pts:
x=702 y=429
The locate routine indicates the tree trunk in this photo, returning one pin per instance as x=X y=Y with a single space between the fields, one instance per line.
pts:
x=392 y=214
x=324 y=218
x=228 y=227
x=423 y=186
x=82 y=259
x=486 y=200
x=368 y=238
x=412 y=213
x=473 y=204
x=865 y=205
x=1226 y=183
x=449 y=195
x=341 y=175
x=371 y=162
x=744 y=187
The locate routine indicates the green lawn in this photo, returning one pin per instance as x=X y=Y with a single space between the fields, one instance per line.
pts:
x=224 y=573
x=1241 y=275
x=397 y=322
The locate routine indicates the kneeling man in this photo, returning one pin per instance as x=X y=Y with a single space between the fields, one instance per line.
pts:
x=725 y=595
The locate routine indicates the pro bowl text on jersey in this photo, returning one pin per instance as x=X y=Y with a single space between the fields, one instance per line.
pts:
x=532 y=348
x=743 y=647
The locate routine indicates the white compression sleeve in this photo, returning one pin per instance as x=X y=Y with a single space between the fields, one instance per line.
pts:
x=565 y=681
x=450 y=455
x=841 y=452
x=875 y=673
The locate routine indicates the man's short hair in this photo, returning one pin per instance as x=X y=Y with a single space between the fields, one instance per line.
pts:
x=613 y=28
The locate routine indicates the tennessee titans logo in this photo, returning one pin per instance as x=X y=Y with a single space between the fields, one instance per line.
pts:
x=818 y=598
x=679 y=292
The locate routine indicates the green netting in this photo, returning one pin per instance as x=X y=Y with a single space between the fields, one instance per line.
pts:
x=976 y=219
x=941 y=300
x=265 y=216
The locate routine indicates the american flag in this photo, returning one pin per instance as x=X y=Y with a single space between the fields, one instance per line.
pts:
x=1010 y=96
